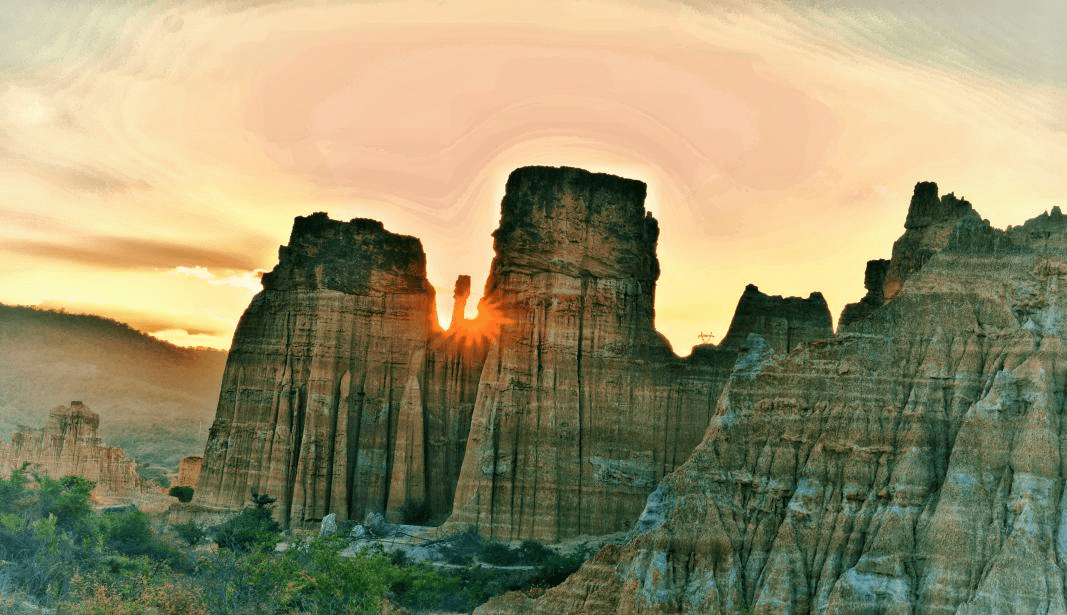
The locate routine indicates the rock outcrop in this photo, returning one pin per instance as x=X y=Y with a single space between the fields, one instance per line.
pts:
x=317 y=374
x=874 y=283
x=578 y=412
x=931 y=224
x=553 y=413
x=913 y=464
x=189 y=472
x=583 y=407
x=69 y=445
x=782 y=322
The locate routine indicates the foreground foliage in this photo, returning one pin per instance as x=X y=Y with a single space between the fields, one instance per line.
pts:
x=58 y=552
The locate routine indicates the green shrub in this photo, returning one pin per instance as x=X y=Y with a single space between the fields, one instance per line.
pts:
x=414 y=512
x=534 y=553
x=190 y=532
x=254 y=529
x=499 y=554
x=559 y=566
x=67 y=499
x=184 y=494
x=129 y=533
x=422 y=588
x=311 y=578
x=14 y=494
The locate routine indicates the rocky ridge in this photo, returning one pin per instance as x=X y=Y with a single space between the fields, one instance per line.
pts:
x=914 y=463
x=553 y=413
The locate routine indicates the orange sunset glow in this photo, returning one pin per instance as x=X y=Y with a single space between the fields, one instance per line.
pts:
x=153 y=155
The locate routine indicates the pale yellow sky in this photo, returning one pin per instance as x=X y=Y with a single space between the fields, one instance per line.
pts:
x=153 y=155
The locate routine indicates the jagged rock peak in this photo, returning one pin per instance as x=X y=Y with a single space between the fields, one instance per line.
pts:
x=325 y=254
x=783 y=321
x=460 y=295
x=874 y=283
x=575 y=222
x=927 y=208
x=1048 y=230
x=76 y=420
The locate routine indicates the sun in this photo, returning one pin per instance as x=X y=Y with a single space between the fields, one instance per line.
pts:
x=483 y=328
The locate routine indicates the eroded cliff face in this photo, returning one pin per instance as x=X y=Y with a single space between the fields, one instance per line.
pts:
x=783 y=322
x=552 y=414
x=316 y=377
x=189 y=472
x=582 y=407
x=69 y=445
x=913 y=464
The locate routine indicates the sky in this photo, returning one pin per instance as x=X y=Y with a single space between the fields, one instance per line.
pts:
x=154 y=154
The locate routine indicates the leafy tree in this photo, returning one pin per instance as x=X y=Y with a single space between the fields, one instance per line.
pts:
x=184 y=494
x=263 y=500
x=68 y=500
x=312 y=578
x=129 y=533
x=13 y=492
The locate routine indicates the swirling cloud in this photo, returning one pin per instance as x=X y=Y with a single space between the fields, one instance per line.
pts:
x=779 y=143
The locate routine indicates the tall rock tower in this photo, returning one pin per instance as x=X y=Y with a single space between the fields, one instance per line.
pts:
x=319 y=365
x=575 y=420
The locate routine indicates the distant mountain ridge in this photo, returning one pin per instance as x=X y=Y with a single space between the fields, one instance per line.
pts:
x=156 y=400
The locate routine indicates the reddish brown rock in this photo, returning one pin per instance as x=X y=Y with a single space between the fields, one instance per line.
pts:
x=319 y=365
x=69 y=446
x=582 y=406
x=189 y=472
x=551 y=414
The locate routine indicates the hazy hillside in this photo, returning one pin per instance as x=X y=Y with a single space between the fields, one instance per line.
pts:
x=154 y=399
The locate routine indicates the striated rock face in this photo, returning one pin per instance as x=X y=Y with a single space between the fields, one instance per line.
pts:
x=782 y=322
x=552 y=414
x=316 y=377
x=69 y=445
x=189 y=472
x=874 y=282
x=932 y=222
x=582 y=407
x=911 y=465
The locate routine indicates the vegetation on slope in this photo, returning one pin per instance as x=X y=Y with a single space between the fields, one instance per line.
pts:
x=58 y=552
x=156 y=400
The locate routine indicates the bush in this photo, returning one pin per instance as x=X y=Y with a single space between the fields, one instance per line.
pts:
x=499 y=554
x=13 y=492
x=534 y=553
x=558 y=567
x=190 y=532
x=184 y=494
x=312 y=578
x=131 y=534
x=67 y=499
x=414 y=512
x=254 y=529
